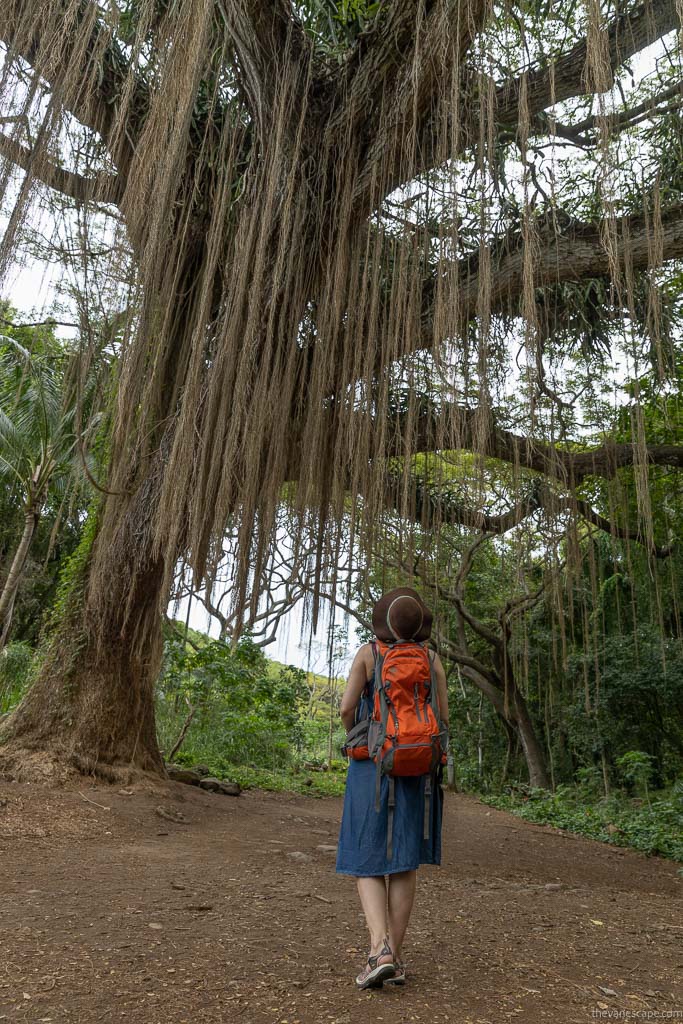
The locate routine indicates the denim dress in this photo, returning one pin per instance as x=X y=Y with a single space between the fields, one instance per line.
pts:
x=362 y=848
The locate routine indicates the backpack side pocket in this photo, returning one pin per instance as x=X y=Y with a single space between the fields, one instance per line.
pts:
x=355 y=745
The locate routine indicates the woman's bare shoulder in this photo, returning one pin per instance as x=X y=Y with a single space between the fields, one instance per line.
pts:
x=365 y=656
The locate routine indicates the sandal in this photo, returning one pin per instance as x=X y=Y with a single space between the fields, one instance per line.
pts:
x=374 y=974
x=399 y=977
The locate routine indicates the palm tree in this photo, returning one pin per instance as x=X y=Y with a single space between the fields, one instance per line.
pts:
x=40 y=443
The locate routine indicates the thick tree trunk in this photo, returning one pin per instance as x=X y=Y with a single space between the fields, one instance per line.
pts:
x=92 y=705
x=14 y=576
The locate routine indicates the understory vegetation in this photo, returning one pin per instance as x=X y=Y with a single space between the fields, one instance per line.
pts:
x=248 y=719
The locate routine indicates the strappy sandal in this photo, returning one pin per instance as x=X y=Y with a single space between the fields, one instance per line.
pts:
x=399 y=977
x=374 y=974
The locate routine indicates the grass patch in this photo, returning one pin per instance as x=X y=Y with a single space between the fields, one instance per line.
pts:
x=292 y=780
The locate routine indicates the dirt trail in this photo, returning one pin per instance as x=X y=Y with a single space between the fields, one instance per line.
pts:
x=119 y=914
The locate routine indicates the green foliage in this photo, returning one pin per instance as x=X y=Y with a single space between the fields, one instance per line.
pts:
x=40 y=414
x=654 y=829
x=291 y=780
x=17 y=663
x=51 y=422
x=637 y=767
x=73 y=575
x=253 y=720
x=335 y=24
x=243 y=713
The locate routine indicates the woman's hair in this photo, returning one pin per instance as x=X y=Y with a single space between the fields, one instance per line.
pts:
x=401 y=614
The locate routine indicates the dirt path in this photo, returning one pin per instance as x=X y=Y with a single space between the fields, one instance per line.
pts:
x=118 y=914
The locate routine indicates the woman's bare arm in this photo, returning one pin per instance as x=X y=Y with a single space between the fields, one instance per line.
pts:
x=354 y=687
x=442 y=689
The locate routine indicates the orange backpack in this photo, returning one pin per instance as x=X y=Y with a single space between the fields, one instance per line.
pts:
x=404 y=734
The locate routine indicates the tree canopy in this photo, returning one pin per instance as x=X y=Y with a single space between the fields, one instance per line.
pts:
x=364 y=238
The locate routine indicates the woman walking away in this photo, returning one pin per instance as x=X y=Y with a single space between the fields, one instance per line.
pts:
x=395 y=712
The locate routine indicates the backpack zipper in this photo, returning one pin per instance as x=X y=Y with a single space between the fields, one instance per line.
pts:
x=417 y=705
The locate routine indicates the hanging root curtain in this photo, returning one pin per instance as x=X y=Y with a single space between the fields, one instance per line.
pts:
x=356 y=255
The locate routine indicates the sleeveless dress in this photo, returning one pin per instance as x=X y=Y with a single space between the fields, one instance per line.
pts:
x=362 y=848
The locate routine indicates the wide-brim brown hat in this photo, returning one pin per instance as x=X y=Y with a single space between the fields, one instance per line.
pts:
x=401 y=614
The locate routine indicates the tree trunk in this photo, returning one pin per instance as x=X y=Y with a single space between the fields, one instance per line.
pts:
x=518 y=719
x=14 y=576
x=92 y=705
x=533 y=751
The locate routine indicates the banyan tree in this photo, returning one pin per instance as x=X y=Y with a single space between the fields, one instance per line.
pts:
x=366 y=239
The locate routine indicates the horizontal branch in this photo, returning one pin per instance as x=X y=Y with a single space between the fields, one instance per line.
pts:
x=574 y=254
x=565 y=78
x=628 y=34
x=465 y=430
x=586 y=132
x=89 y=50
x=431 y=509
x=100 y=189
x=607 y=526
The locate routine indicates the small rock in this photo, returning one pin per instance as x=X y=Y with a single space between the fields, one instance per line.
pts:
x=155 y=926
x=218 y=786
x=611 y=829
x=178 y=886
x=553 y=886
x=171 y=815
x=326 y=848
x=201 y=769
x=298 y=855
x=607 y=991
x=190 y=778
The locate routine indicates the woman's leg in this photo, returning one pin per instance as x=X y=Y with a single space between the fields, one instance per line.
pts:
x=401 y=897
x=373 y=897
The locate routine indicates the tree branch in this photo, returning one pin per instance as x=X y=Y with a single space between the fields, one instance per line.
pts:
x=273 y=52
x=398 y=72
x=574 y=254
x=628 y=34
x=102 y=189
x=93 y=48
x=654 y=106
x=570 y=468
x=429 y=507
x=591 y=516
